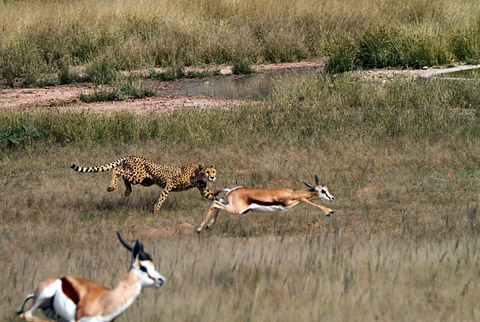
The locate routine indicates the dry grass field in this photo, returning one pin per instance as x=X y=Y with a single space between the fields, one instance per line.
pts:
x=401 y=159
x=56 y=37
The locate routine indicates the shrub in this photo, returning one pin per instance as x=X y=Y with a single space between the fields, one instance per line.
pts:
x=130 y=87
x=102 y=71
x=242 y=66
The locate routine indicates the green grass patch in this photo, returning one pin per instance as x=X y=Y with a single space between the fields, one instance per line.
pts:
x=130 y=87
x=324 y=110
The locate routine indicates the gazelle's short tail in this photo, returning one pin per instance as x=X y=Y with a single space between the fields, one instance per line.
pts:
x=102 y=168
x=29 y=296
x=226 y=190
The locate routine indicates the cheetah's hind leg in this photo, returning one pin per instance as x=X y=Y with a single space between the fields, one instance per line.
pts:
x=128 y=187
x=113 y=185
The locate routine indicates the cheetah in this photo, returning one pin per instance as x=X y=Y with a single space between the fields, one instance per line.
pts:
x=139 y=170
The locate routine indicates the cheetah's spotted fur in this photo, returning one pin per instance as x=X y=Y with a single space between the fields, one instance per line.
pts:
x=138 y=170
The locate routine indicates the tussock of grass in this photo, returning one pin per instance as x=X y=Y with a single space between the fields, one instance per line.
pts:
x=130 y=87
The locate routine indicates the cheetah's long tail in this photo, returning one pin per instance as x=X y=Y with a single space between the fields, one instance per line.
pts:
x=102 y=168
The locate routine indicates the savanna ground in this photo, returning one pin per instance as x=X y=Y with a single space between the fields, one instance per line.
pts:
x=401 y=158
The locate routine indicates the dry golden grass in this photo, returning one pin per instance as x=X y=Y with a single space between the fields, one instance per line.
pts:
x=50 y=37
x=401 y=245
x=401 y=159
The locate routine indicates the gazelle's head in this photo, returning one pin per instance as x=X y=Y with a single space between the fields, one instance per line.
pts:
x=142 y=264
x=321 y=189
x=208 y=174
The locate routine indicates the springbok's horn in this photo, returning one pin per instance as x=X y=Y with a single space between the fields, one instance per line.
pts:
x=317 y=182
x=311 y=186
x=124 y=243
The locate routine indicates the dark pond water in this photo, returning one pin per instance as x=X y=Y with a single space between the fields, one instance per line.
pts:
x=257 y=87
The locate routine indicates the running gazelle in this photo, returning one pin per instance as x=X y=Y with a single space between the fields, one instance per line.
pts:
x=78 y=299
x=240 y=200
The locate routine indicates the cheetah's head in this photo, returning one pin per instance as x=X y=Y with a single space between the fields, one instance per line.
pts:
x=208 y=173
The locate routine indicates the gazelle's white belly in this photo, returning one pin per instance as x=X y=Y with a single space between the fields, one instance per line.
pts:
x=264 y=208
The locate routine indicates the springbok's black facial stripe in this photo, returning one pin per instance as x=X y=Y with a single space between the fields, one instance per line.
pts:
x=143 y=268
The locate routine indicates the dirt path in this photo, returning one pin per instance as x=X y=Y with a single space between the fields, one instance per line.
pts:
x=65 y=97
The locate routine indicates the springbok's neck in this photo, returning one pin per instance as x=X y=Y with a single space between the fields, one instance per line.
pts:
x=308 y=194
x=122 y=296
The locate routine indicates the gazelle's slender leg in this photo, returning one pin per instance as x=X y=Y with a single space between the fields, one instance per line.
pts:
x=214 y=218
x=27 y=316
x=327 y=211
x=42 y=298
x=213 y=207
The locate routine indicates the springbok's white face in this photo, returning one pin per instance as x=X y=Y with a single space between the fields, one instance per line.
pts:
x=322 y=190
x=149 y=277
x=323 y=193
x=142 y=265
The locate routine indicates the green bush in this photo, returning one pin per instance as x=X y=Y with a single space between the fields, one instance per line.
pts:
x=242 y=66
x=342 y=55
x=130 y=87
x=102 y=71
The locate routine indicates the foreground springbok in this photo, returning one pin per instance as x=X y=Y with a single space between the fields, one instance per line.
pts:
x=78 y=299
x=240 y=200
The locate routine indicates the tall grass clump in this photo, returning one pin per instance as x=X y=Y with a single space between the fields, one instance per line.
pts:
x=392 y=46
x=102 y=71
x=124 y=88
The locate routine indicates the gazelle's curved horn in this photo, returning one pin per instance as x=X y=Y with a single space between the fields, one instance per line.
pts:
x=124 y=243
x=317 y=182
x=143 y=255
x=311 y=186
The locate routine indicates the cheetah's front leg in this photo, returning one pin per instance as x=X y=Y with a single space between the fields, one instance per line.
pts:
x=163 y=196
x=206 y=193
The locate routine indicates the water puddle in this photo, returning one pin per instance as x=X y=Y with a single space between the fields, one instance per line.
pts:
x=256 y=87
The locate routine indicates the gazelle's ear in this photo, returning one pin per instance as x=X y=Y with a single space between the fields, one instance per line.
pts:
x=311 y=186
x=137 y=249
x=317 y=182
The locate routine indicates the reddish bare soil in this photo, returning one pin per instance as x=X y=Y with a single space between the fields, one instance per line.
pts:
x=65 y=97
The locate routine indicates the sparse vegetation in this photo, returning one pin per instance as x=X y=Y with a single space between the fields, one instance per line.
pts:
x=130 y=87
x=402 y=160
